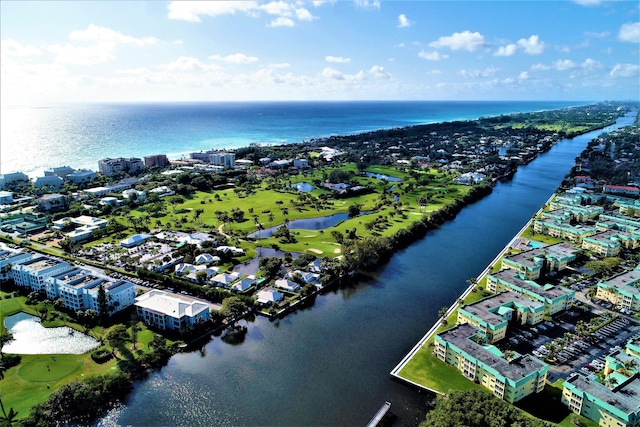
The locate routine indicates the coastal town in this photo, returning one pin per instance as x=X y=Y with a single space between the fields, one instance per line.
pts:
x=185 y=247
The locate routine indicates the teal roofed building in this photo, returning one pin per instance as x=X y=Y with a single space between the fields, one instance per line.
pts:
x=554 y=298
x=508 y=378
x=612 y=401
x=532 y=263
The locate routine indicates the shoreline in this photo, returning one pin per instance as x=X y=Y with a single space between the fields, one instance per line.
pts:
x=204 y=144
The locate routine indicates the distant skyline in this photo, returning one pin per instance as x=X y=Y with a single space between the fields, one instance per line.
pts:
x=142 y=51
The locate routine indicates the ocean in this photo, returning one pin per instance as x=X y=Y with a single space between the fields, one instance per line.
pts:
x=34 y=138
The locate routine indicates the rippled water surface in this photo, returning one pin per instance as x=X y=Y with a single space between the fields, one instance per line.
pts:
x=30 y=337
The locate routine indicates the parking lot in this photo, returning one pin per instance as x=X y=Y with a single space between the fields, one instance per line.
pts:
x=582 y=355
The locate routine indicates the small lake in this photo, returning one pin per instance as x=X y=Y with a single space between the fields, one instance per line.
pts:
x=319 y=223
x=252 y=267
x=385 y=177
x=303 y=187
x=30 y=337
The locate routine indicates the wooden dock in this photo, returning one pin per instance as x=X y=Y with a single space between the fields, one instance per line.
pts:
x=380 y=414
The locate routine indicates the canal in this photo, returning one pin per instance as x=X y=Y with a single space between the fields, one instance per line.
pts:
x=329 y=364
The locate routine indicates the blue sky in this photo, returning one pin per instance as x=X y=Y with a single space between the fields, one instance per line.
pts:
x=81 y=51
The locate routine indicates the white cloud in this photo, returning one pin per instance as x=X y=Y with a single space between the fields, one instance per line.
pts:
x=97 y=34
x=630 y=33
x=508 y=50
x=625 y=70
x=540 y=67
x=379 y=72
x=591 y=64
x=14 y=48
x=403 y=21
x=523 y=75
x=588 y=2
x=367 y=4
x=334 y=74
x=191 y=10
x=337 y=59
x=282 y=21
x=532 y=45
x=284 y=12
x=488 y=72
x=465 y=40
x=82 y=55
x=188 y=63
x=236 y=58
x=432 y=56
x=564 y=64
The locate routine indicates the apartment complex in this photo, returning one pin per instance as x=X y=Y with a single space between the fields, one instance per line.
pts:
x=492 y=315
x=622 y=290
x=219 y=158
x=166 y=310
x=509 y=379
x=554 y=298
x=535 y=263
x=109 y=166
x=34 y=272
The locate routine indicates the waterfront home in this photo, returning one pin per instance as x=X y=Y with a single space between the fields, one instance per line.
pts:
x=13 y=179
x=33 y=273
x=614 y=402
x=533 y=263
x=108 y=167
x=510 y=379
x=244 y=284
x=554 y=298
x=307 y=277
x=287 y=285
x=78 y=289
x=268 y=296
x=315 y=266
x=622 y=290
x=492 y=315
x=224 y=280
x=165 y=310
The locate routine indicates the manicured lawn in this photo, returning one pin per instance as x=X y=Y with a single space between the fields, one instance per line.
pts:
x=429 y=371
x=31 y=382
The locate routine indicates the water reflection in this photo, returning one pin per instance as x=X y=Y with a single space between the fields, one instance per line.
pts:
x=30 y=337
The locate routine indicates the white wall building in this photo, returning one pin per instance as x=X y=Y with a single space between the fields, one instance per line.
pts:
x=166 y=310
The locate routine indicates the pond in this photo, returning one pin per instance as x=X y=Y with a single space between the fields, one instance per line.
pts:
x=319 y=223
x=303 y=187
x=30 y=337
x=252 y=266
x=385 y=177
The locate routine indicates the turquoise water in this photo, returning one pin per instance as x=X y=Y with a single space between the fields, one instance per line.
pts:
x=35 y=138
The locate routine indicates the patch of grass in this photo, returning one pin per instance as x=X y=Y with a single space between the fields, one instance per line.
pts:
x=426 y=369
x=45 y=370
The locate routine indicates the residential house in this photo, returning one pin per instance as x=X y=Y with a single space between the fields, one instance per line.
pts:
x=268 y=296
x=225 y=280
x=287 y=285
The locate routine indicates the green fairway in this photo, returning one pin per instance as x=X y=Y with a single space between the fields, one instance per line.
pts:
x=48 y=368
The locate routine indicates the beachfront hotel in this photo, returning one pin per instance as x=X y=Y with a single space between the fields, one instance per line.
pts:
x=492 y=315
x=165 y=310
x=554 y=298
x=510 y=379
